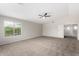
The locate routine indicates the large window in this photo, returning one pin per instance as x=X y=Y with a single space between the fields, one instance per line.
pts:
x=12 y=28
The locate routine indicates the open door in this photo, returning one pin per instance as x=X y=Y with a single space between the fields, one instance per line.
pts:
x=70 y=31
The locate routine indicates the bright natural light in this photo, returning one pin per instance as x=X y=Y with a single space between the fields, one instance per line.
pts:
x=12 y=28
x=8 y=23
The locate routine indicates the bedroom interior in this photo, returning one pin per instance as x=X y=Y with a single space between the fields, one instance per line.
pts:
x=39 y=29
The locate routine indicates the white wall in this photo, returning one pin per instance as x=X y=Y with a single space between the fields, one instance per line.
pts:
x=50 y=29
x=29 y=30
x=53 y=30
x=60 y=30
x=57 y=29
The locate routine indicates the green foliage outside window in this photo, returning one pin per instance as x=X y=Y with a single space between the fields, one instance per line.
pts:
x=12 y=29
x=8 y=31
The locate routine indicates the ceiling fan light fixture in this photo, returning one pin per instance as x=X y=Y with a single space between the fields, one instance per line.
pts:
x=43 y=17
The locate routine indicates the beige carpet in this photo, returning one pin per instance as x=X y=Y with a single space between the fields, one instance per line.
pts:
x=42 y=46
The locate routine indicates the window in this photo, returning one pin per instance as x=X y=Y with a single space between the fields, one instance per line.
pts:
x=17 y=30
x=11 y=28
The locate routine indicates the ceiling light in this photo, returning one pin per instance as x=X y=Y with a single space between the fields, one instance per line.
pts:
x=43 y=17
x=75 y=27
x=68 y=28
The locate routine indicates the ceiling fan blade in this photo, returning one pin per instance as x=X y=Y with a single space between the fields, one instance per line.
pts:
x=39 y=15
x=48 y=16
x=44 y=15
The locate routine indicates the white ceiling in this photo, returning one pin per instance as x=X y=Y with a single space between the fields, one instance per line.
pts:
x=30 y=11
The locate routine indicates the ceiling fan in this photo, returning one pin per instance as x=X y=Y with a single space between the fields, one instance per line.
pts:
x=44 y=15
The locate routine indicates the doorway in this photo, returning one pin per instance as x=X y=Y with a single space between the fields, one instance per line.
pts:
x=70 y=31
